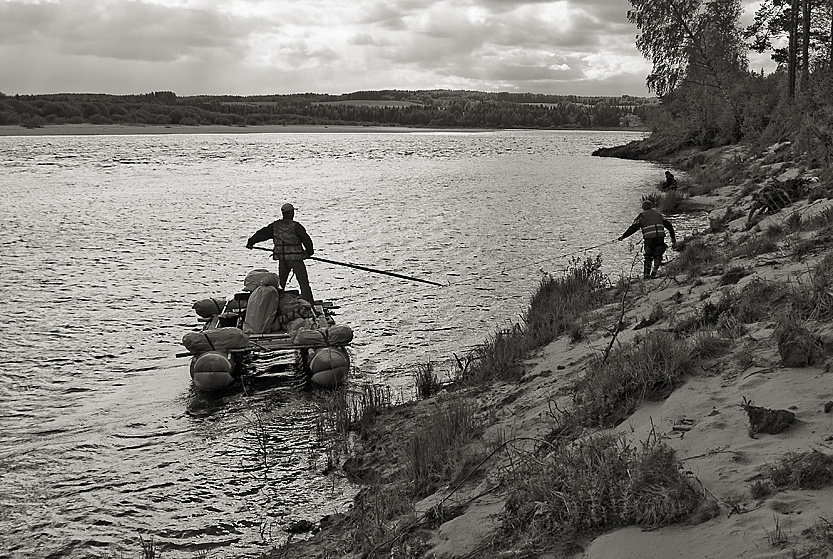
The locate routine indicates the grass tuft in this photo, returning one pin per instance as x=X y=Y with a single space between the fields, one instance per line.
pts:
x=694 y=257
x=342 y=411
x=649 y=368
x=803 y=470
x=588 y=487
x=813 y=298
x=426 y=380
x=444 y=449
x=554 y=310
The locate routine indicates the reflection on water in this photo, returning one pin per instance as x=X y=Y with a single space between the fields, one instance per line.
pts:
x=107 y=241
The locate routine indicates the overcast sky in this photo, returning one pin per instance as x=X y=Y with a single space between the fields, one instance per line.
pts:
x=251 y=47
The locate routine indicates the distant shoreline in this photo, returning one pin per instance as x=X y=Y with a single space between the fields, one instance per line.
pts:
x=140 y=129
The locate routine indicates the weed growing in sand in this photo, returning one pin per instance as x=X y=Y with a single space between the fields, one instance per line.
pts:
x=555 y=309
x=426 y=380
x=439 y=452
x=732 y=276
x=797 y=345
x=801 y=470
x=775 y=232
x=498 y=358
x=668 y=202
x=822 y=220
x=758 y=300
x=594 y=485
x=648 y=368
x=708 y=345
x=560 y=301
x=820 y=536
x=374 y=514
x=342 y=411
x=799 y=247
x=444 y=449
x=744 y=359
x=731 y=327
x=813 y=298
x=149 y=548
x=776 y=537
x=657 y=314
x=793 y=222
x=754 y=246
x=694 y=257
x=760 y=489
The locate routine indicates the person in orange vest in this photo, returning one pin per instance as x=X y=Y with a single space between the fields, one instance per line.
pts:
x=292 y=245
x=653 y=225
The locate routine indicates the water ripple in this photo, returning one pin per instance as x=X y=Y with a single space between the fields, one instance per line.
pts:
x=107 y=241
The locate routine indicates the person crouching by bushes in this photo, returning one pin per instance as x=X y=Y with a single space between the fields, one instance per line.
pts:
x=670 y=181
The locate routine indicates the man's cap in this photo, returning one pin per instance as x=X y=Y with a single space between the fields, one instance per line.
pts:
x=286 y=208
x=646 y=205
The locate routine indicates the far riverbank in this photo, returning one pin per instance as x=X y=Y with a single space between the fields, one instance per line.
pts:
x=138 y=129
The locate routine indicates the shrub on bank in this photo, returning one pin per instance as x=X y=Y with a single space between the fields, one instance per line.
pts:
x=694 y=257
x=586 y=488
x=801 y=470
x=441 y=452
x=555 y=309
x=647 y=369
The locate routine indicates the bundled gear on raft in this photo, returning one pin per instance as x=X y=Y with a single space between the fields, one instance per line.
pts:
x=265 y=318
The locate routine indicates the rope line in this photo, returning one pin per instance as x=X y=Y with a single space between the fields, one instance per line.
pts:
x=538 y=263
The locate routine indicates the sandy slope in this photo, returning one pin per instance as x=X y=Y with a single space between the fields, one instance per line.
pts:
x=702 y=420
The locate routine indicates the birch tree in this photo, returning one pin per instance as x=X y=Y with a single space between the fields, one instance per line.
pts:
x=696 y=47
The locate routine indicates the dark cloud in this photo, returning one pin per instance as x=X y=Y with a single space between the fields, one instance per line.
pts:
x=276 y=46
x=122 y=30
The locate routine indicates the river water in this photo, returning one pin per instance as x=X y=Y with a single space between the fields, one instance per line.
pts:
x=106 y=241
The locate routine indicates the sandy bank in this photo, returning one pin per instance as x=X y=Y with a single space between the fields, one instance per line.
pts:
x=703 y=420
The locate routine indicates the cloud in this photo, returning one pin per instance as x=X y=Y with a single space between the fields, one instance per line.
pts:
x=283 y=46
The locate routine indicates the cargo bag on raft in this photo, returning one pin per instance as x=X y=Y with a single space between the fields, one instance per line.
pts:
x=214 y=340
x=336 y=335
x=261 y=310
x=206 y=308
x=259 y=277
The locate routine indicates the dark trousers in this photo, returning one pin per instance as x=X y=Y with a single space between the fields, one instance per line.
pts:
x=300 y=269
x=654 y=249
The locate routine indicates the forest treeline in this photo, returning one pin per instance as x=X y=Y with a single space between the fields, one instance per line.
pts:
x=434 y=108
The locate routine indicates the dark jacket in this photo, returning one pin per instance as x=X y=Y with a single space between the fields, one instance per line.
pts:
x=290 y=238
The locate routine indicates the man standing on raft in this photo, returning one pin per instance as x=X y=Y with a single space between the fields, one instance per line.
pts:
x=653 y=225
x=292 y=245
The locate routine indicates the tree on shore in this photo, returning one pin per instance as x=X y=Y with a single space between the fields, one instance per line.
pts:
x=776 y=29
x=709 y=97
x=699 y=62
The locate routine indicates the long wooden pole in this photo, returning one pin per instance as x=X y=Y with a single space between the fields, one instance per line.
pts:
x=364 y=268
